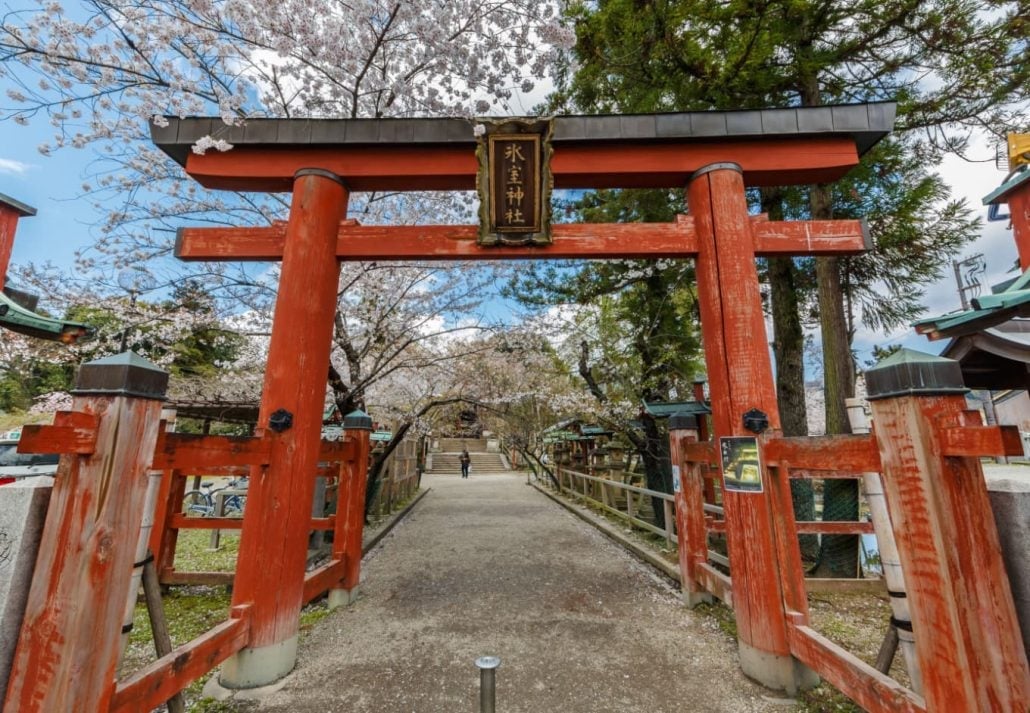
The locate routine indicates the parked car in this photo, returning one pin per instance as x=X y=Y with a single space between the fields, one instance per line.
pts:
x=15 y=466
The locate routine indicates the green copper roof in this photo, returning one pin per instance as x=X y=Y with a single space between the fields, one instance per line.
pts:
x=18 y=319
x=664 y=409
x=1001 y=193
x=988 y=311
x=910 y=372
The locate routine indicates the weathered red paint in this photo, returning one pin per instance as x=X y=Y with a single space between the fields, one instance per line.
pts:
x=163 y=537
x=785 y=540
x=967 y=637
x=856 y=679
x=1019 y=209
x=458 y=242
x=740 y=378
x=71 y=432
x=847 y=454
x=152 y=686
x=690 y=516
x=8 y=226
x=776 y=162
x=977 y=441
x=184 y=451
x=69 y=643
x=350 y=509
x=321 y=580
x=270 y=575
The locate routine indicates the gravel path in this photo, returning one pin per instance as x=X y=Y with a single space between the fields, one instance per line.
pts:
x=489 y=566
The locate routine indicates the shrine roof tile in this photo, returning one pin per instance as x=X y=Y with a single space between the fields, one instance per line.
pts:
x=865 y=123
x=20 y=208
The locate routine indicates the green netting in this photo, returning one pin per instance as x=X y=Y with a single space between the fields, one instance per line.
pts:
x=838 y=554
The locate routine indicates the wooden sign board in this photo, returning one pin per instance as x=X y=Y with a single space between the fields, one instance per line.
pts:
x=741 y=469
x=515 y=183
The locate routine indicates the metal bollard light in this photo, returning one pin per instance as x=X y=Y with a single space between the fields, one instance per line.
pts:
x=487 y=666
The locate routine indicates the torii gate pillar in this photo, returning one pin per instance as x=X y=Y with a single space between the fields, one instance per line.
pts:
x=273 y=544
x=740 y=379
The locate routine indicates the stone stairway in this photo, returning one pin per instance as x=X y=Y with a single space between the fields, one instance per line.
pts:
x=482 y=464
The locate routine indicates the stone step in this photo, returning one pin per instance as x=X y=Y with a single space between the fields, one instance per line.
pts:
x=482 y=463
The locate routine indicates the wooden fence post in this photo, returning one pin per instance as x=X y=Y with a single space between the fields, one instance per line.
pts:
x=69 y=643
x=690 y=515
x=743 y=398
x=350 y=510
x=968 y=643
x=274 y=539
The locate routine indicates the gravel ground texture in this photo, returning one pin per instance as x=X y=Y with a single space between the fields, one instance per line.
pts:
x=489 y=566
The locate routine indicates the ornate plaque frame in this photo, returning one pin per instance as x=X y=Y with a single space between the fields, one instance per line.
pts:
x=494 y=228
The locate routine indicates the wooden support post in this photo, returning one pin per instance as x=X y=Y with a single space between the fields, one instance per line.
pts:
x=69 y=644
x=270 y=573
x=350 y=510
x=10 y=211
x=690 y=516
x=165 y=536
x=967 y=638
x=159 y=626
x=740 y=379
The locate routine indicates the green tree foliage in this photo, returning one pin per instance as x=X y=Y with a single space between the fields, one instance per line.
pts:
x=644 y=331
x=656 y=55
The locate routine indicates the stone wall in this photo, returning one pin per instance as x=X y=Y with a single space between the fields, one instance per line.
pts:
x=23 y=507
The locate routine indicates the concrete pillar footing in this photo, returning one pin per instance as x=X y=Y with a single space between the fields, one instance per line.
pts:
x=781 y=672
x=342 y=597
x=251 y=668
x=692 y=599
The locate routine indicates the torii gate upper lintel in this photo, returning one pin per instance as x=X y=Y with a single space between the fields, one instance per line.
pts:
x=714 y=155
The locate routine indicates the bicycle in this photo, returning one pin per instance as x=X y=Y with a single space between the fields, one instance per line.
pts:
x=201 y=503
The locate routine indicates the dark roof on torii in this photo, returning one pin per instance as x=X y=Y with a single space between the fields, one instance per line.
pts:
x=858 y=125
x=18 y=207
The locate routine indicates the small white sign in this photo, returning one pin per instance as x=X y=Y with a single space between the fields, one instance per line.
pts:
x=675 y=478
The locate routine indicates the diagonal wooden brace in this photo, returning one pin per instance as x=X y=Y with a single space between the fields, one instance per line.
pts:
x=72 y=432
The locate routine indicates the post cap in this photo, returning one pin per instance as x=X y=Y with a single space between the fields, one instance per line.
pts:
x=357 y=420
x=683 y=421
x=488 y=662
x=125 y=374
x=908 y=371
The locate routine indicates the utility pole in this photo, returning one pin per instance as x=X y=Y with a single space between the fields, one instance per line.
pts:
x=968 y=272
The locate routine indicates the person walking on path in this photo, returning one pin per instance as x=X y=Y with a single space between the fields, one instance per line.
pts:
x=465 y=460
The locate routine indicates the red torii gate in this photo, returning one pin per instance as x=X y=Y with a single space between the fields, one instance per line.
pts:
x=714 y=154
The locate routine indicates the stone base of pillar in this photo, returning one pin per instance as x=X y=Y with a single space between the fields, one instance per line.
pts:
x=692 y=599
x=23 y=507
x=779 y=672
x=251 y=668
x=342 y=597
x=1010 y=501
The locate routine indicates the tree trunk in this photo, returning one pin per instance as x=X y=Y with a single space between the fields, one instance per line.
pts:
x=839 y=553
x=657 y=466
x=788 y=348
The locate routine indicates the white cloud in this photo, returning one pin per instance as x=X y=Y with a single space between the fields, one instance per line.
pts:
x=8 y=165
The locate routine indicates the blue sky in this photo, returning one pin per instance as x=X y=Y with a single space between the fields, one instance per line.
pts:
x=51 y=186
x=66 y=222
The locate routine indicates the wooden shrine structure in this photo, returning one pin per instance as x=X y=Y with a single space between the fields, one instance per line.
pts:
x=925 y=445
x=17 y=308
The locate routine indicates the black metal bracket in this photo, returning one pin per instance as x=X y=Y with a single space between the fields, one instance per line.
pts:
x=756 y=421
x=280 y=420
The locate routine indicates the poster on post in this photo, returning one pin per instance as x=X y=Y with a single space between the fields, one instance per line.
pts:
x=741 y=470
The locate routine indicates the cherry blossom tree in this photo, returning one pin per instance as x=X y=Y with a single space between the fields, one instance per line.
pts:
x=100 y=70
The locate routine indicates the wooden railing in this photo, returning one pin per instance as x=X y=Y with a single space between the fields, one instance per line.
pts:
x=182 y=456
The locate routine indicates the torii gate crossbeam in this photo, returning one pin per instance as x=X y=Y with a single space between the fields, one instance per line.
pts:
x=714 y=154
